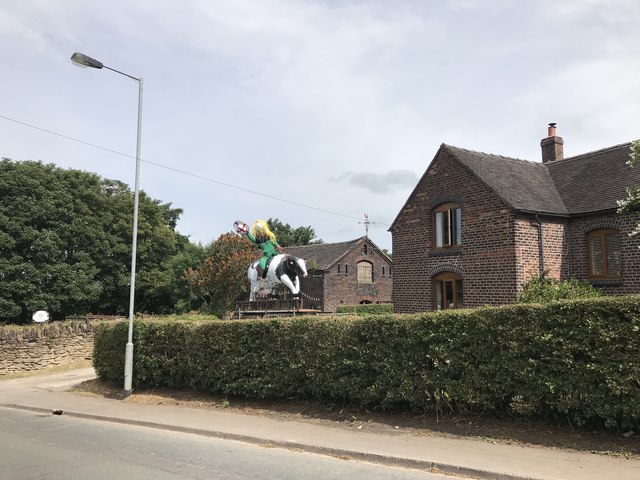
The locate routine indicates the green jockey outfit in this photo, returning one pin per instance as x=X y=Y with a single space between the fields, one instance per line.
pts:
x=264 y=238
x=269 y=248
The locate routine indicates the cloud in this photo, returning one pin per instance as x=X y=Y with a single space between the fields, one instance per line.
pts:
x=380 y=183
x=276 y=96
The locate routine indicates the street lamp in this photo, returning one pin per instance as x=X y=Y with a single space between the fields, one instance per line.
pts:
x=85 y=61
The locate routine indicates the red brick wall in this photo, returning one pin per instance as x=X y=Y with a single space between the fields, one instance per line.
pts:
x=555 y=248
x=486 y=257
x=500 y=247
x=578 y=263
x=342 y=288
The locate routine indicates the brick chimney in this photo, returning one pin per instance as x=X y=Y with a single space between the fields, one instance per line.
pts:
x=552 y=146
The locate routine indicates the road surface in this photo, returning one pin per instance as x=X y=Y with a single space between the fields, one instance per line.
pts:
x=52 y=447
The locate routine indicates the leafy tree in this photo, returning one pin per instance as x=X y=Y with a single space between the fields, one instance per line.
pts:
x=221 y=280
x=288 y=236
x=157 y=244
x=46 y=257
x=632 y=202
x=65 y=243
x=176 y=292
x=541 y=289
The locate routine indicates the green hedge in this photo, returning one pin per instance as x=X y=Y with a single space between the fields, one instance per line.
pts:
x=574 y=361
x=366 y=309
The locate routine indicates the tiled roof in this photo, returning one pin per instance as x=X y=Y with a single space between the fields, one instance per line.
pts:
x=585 y=183
x=522 y=184
x=323 y=255
x=596 y=180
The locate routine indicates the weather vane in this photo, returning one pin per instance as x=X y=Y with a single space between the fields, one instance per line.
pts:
x=366 y=224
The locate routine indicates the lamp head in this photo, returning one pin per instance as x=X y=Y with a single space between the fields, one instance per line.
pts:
x=83 y=60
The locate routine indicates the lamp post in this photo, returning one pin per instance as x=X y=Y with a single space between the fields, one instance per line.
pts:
x=85 y=61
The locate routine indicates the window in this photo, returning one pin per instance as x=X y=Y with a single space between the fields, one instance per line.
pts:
x=448 y=290
x=604 y=254
x=366 y=249
x=447 y=225
x=383 y=271
x=365 y=272
x=338 y=268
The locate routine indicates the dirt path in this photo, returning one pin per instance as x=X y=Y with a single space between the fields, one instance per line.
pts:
x=342 y=416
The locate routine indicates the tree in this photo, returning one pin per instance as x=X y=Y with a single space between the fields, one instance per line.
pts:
x=175 y=293
x=158 y=242
x=288 y=236
x=221 y=280
x=46 y=241
x=632 y=202
x=65 y=243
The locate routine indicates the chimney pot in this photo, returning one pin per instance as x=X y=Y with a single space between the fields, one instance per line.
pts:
x=552 y=146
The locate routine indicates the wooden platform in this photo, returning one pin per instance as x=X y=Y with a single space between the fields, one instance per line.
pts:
x=273 y=307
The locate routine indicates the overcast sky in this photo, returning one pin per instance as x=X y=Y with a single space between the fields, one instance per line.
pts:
x=312 y=111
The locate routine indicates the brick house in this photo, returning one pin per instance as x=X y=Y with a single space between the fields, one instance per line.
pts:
x=478 y=226
x=346 y=273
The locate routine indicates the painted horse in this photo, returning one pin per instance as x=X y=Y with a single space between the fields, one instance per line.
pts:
x=283 y=268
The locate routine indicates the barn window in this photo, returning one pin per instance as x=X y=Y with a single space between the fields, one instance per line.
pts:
x=365 y=272
x=447 y=290
x=604 y=254
x=447 y=225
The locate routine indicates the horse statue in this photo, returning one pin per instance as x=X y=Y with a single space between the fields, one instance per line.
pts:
x=283 y=268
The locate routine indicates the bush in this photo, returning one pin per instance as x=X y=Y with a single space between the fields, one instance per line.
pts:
x=366 y=308
x=542 y=289
x=571 y=361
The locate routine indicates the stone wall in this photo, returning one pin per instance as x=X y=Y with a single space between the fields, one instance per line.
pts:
x=34 y=347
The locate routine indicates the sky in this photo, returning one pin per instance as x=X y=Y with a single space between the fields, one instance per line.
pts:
x=315 y=112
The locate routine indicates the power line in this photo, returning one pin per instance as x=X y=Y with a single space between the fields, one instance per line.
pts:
x=228 y=185
x=67 y=137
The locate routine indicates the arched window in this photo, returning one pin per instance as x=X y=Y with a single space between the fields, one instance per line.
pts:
x=365 y=272
x=447 y=290
x=447 y=225
x=604 y=253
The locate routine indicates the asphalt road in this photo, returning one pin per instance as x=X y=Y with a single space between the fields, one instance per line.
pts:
x=52 y=447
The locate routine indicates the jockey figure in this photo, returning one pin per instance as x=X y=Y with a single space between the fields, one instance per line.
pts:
x=265 y=239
